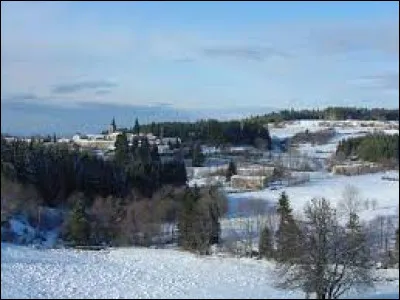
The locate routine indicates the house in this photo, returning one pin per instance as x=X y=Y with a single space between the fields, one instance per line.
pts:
x=248 y=182
x=170 y=140
x=63 y=140
x=256 y=170
x=359 y=168
x=163 y=149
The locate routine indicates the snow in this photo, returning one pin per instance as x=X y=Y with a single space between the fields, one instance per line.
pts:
x=20 y=228
x=131 y=273
x=370 y=186
x=19 y=231
x=341 y=127
x=139 y=273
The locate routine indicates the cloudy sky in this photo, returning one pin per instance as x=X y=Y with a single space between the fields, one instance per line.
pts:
x=58 y=59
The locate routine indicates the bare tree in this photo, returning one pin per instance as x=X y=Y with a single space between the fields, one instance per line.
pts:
x=374 y=204
x=254 y=212
x=350 y=202
x=242 y=232
x=335 y=258
x=366 y=204
x=16 y=197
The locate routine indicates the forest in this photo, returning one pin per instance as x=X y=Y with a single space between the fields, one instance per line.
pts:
x=381 y=148
x=125 y=201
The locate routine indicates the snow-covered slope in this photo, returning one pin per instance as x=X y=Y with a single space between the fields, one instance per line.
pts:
x=341 y=127
x=131 y=273
x=369 y=186
x=138 y=273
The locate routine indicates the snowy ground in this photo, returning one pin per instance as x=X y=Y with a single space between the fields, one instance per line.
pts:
x=143 y=273
x=370 y=186
x=346 y=127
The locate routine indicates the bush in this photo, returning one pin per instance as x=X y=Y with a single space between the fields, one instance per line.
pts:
x=17 y=198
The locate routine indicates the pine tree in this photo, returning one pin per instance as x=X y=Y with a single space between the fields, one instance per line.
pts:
x=197 y=221
x=288 y=234
x=231 y=170
x=197 y=156
x=121 y=149
x=268 y=138
x=137 y=127
x=266 y=249
x=356 y=240
x=78 y=227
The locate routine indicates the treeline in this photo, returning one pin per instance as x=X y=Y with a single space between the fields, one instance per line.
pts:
x=331 y=113
x=378 y=147
x=186 y=216
x=212 y=132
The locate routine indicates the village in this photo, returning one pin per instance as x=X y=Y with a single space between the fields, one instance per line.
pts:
x=292 y=161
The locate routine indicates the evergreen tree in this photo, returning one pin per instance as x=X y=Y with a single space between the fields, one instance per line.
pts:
x=288 y=234
x=356 y=239
x=268 y=138
x=231 y=170
x=155 y=156
x=136 y=129
x=121 y=149
x=266 y=249
x=198 y=221
x=78 y=227
x=197 y=156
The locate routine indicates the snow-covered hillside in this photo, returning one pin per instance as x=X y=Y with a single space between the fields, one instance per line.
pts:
x=341 y=127
x=143 y=273
x=369 y=186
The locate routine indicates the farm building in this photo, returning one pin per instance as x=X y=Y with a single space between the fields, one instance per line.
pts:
x=256 y=170
x=356 y=168
x=248 y=182
x=197 y=172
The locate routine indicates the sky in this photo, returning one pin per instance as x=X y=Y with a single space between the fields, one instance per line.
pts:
x=64 y=60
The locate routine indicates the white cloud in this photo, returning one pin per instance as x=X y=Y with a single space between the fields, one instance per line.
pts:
x=44 y=44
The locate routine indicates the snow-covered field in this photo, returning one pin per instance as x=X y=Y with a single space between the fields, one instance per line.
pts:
x=145 y=273
x=369 y=186
x=342 y=127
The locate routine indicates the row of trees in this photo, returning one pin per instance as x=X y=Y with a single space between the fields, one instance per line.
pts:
x=213 y=132
x=188 y=216
x=331 y=113
x=374 y=147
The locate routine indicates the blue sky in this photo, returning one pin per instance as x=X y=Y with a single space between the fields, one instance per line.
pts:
x=192 y=57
